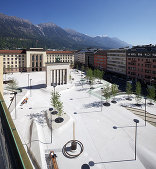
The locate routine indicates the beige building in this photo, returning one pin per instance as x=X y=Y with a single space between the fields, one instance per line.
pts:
x=80 y=57
x=33 y=59
x=116 y=61
x=1 y=75
x=60 y=56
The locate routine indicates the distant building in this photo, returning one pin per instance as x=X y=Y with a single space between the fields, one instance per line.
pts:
x=1 y=75
x=79 y=57
x=33 y=59
x=100 y=59
x=116 y=61
x=141 y=63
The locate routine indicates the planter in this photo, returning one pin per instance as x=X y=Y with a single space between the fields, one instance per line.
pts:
x=59 y=120
x=54 y=112
x=106 y=104
x=129 y=99
x=138 y=105
x=150 y=103
x=73 y=146
x=113 y=101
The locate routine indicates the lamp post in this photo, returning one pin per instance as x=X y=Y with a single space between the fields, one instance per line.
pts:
x=54 y=85
x=151 y=81
x=30 y=86
x=51 y=109
x=145 y=109
x=101 y=98
x=15 y=93
x=28 y=81
x=136 y=121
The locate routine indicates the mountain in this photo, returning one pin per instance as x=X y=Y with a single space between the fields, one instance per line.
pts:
x=19 y=33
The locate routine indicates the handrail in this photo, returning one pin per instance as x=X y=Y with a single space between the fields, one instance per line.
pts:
x=19 y=146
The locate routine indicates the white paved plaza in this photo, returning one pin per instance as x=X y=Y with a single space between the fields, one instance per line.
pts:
x=108 y=148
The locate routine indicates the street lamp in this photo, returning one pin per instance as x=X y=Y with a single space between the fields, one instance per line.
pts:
x=101 y=98
x=54 y=85
x=28 y=81
x=15 y=93
x=145 y=109
x=151 y=81
x=30 y=86
x=136 y=121
x=51 y=109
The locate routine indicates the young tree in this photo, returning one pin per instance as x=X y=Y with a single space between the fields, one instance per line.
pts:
x=56 y=103
x=128 y=90
x=106 y=92
x=89 y=75
x=95 y=73
x=12 y=84
x=100 y=75
x=114 y=91
x=138 y=92
x=151 y=93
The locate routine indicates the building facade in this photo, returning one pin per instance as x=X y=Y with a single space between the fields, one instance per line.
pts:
x=141 y=63
x=1 y=75
x=60 y=56
x=116 y=61
x=100 y=59
x=33 y=59
x=79 y=57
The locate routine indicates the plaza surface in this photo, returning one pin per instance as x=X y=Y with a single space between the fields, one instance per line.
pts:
x=108 y=148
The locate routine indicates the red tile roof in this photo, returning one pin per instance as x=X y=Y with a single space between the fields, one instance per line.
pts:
x=59 y=52
x=12 y=51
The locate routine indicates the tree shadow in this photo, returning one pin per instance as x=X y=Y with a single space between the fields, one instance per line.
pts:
x=40 y=118
x=38 y=86
x=94 y=104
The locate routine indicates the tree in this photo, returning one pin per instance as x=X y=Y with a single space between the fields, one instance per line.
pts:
x=95 y=73
x=114 y=90
x=138 y=92
x=128 y=89
x=89 y=75
x=151 y=93
x=12 y=84
x=100 y=75
x=106 y=92
x=56 y=103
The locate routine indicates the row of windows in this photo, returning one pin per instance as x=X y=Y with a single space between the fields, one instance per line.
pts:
x=59 y=55
x=13 y=55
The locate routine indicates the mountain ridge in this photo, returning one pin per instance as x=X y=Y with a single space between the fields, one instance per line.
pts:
x=20 y=33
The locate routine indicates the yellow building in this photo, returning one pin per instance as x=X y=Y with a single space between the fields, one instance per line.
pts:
x=1 y=75
x=33 y=59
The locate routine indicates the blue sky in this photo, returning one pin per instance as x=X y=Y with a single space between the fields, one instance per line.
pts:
x=133 y=21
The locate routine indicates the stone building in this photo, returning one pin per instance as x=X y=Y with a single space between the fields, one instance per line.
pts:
x=141 y=63
x=33 y=59
x=1 y=75
x=116 y=61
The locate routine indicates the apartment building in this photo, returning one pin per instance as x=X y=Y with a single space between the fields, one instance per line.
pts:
x=79 y=57
x=33 y=59
x=141 y=63
x=116 y=61
x=100 y=59
x=1 y=75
